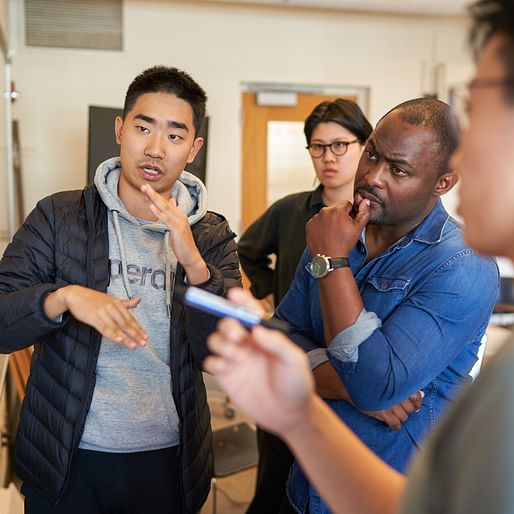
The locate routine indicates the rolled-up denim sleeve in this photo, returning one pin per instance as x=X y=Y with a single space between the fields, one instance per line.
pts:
x=344 y=347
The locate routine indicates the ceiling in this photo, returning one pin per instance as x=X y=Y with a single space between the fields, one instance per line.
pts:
x=426 y=7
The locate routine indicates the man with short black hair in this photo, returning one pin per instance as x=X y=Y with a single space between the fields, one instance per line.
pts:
x=115 y=417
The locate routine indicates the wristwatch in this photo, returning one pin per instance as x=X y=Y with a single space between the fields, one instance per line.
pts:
x=321 y=265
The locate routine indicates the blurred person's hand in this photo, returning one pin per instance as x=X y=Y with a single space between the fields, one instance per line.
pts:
x=262 y=371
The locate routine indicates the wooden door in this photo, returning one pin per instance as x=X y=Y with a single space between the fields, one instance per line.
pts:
x=255 y=155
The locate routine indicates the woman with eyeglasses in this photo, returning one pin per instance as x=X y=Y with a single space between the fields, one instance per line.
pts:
x=336 y=133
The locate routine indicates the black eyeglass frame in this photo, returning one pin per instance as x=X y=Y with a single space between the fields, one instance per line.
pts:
x=330 y=145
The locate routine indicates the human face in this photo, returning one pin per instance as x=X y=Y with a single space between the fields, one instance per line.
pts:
x=335 y=171
x=397 y=174
x=157 y=139
x=484 y=161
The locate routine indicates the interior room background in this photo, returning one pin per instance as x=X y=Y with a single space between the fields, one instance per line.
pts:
x=223 y=46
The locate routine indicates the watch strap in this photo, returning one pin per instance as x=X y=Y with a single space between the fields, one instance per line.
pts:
x=338 y=262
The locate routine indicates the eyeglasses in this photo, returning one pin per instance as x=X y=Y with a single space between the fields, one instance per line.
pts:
x=337 y=148
x=459 y=96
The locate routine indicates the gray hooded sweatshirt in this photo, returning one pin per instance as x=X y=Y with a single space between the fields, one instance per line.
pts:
x=133 y=408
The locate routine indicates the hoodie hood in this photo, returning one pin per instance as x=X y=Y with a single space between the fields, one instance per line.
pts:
x=189 y=192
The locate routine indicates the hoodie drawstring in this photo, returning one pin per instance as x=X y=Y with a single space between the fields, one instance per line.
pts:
x=169 y=274
x=123 y=257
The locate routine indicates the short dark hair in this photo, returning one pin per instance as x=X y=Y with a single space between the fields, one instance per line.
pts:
x=163 y=79
x=435 y=115
x=343 y=112
x=495 y=17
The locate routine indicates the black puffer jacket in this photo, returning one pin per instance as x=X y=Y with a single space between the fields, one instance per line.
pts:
x=65 y=241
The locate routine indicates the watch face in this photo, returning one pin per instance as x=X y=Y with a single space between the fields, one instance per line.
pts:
x=319 y=266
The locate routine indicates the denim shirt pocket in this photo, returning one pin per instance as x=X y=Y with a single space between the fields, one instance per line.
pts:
x=384 y=293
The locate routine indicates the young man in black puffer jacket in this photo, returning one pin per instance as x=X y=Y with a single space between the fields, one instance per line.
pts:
x=115 y=416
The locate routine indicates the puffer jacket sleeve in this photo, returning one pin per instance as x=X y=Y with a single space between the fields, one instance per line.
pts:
x=216 y=242
x=27 y=275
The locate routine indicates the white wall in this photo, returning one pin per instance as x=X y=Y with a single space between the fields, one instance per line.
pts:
x=220 y=46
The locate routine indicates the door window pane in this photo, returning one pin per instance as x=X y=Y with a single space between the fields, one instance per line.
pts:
x=290 y=168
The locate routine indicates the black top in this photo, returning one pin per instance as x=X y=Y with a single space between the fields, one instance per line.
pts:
x=279 y=231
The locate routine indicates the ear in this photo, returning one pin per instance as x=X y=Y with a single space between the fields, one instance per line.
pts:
x=197 y=144
x=118 y=128
x=445 y=183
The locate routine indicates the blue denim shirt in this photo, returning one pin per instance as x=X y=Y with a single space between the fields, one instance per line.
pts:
x=432 y=297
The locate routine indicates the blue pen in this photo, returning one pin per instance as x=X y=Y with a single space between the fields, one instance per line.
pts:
x=221 y=307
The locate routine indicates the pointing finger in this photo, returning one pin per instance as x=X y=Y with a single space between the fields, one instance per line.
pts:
x=363 y=213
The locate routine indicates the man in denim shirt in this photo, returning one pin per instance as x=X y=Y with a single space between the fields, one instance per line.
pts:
x=387 y=299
